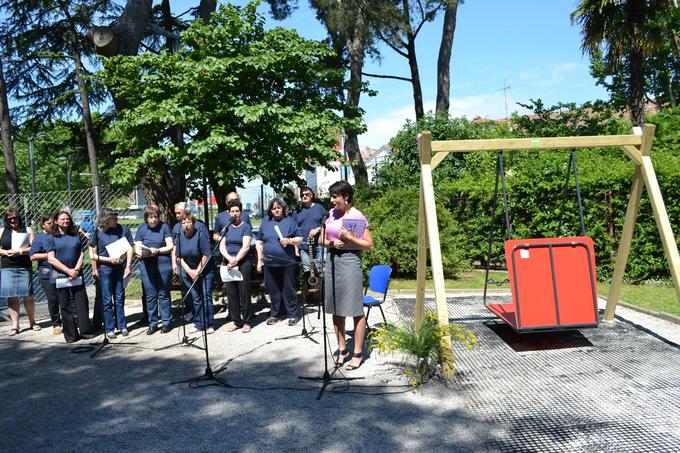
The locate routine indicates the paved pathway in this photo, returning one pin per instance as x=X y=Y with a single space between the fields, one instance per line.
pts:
x=615 y=388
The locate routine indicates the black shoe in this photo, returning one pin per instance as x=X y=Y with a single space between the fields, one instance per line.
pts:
x=166 y=329
x=151 y=330
x=86 y=336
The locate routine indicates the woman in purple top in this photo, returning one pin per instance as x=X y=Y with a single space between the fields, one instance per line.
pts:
x=66 y=258
x=347 y=234
x=235 y=249
x=16 y=280
x=153 y=245
x=39 y=249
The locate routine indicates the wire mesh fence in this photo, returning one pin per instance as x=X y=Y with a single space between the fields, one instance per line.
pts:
x=130 y=207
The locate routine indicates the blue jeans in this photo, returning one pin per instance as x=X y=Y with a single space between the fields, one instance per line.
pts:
x=113 y=291
x=156 y=281
x=203 y=285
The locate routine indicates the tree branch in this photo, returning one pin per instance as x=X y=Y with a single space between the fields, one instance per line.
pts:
x=385 y=76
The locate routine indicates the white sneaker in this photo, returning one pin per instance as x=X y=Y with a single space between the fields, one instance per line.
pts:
x=210 y=330
x=194 y=329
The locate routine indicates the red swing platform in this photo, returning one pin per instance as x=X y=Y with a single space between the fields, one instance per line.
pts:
x=553 y=284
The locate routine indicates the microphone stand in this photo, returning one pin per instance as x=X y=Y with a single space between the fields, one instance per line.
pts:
x=326 y=379
x=305 y=334
x=208 y=375
x=185 y=340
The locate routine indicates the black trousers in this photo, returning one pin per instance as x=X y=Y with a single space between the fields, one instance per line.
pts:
x=238 y=295
x=280 y=284
x=81 y=305
x=50 y=290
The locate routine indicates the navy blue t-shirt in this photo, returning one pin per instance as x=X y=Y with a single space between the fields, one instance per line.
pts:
x=191 y=249
x=154 y=238
x=67 y=249
x=308 y=219
x=199 y=225
x=276 y=255
x=41 y=244
x=234 y=237
x=222 y=220
x=100 y=239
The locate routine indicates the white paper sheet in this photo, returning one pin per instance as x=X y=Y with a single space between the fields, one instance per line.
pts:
x=278 y=231
x=230 y=275
x=19 y=240
x=66 y=283
x=118 y=248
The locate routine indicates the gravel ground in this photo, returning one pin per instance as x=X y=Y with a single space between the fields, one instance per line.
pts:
x=57 y=397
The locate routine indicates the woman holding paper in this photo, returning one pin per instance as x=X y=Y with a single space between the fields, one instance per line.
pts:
x=16 y=276
x=153 y=244
x=235 y=248
x=276 y=241
x=193 y=251
x=347 y=234
x=66 y=258
x=111 y=258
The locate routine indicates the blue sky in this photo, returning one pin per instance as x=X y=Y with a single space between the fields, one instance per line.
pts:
x=529 y=43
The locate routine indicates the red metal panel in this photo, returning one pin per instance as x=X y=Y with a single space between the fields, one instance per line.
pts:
x=553 y=283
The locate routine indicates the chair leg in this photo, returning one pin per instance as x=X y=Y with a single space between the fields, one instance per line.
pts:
x=383 y=314
x=368 y=312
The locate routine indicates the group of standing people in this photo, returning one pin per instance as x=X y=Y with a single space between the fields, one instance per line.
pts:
x=185 y=250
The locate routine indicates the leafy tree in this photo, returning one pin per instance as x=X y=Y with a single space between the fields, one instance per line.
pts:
x=252 y=102
x=44 y=41
x=623 y=32
x=444 y=58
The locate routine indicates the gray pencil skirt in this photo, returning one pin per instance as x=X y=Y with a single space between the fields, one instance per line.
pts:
x=343 y=284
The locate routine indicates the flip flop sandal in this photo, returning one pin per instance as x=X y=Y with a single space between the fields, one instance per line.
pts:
x=13 y=332
x=36 y=327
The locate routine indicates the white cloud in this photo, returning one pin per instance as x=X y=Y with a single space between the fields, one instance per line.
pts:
x=549 y=75
x=383 y=128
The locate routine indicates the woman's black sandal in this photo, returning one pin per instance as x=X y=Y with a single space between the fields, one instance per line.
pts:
x=343 y=357
x=358 y=355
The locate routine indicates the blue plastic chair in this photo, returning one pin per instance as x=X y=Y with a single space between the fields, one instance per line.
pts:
x=378 y=282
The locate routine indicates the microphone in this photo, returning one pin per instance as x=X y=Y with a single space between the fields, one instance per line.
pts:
x=325 y=217
x=231 y=220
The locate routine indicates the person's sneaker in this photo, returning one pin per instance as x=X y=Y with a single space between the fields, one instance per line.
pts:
x=210 y=330
x=271 y=321
x=111 y=335
x=57 y=330
x=116 y=330
x=194 y=328
x=124 y=332
x=151 y=330
x=292 y=321
x=166 y=329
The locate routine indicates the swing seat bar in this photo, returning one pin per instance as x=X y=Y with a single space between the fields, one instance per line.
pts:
x=553 y=284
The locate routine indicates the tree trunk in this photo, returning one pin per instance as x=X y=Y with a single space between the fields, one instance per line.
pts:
x=413 y=63
x=7 y=144
x=85 y=104
x=444 y=60
x=123 y=36
x=355 y=47
x=637 y=87
x=415 y=77
x=205 y=9
x=163 y=188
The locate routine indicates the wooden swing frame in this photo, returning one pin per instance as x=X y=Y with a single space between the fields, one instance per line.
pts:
x=637 y=146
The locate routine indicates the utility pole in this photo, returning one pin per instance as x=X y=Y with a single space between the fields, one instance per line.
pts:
x=505 y=89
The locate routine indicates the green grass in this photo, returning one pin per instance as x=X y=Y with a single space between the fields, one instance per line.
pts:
x=657 y=297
